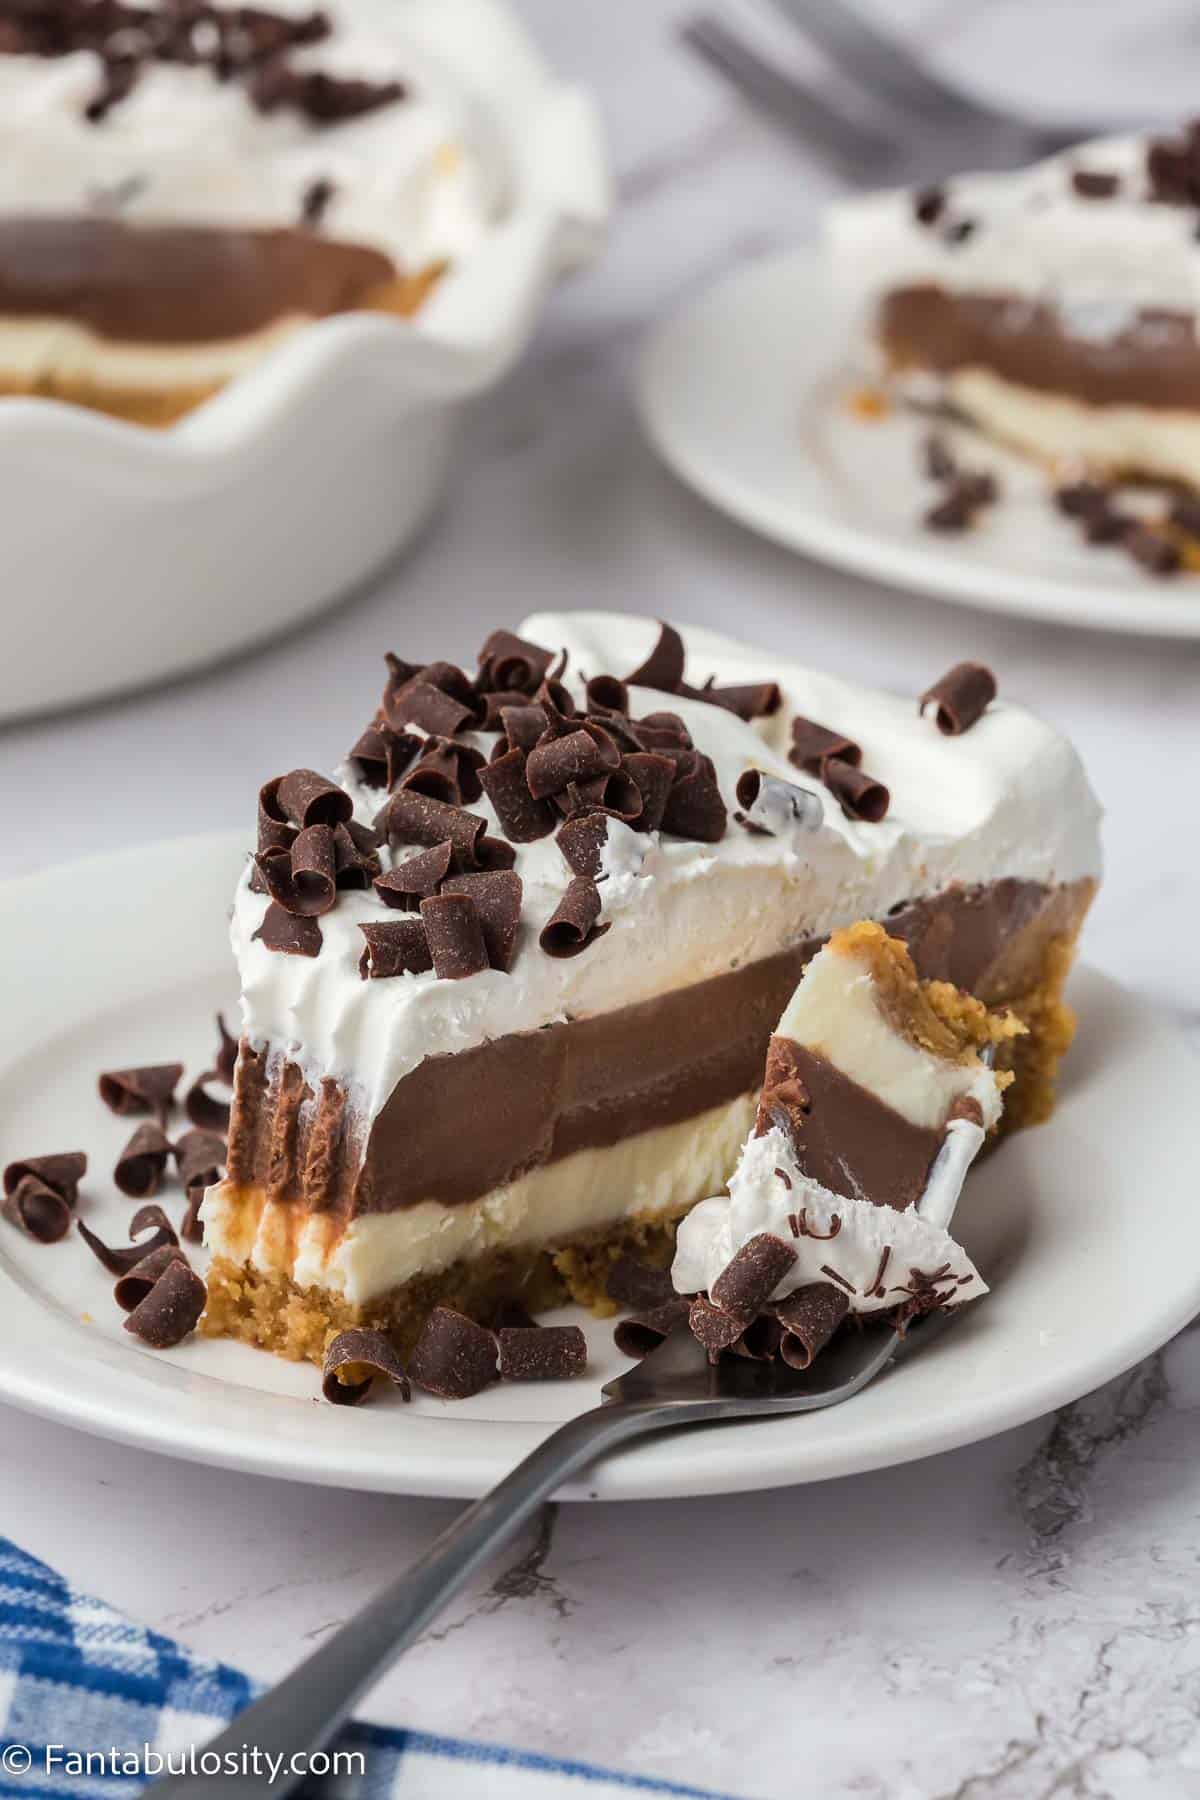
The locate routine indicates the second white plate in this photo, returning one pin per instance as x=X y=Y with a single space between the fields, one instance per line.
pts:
x=744 y=393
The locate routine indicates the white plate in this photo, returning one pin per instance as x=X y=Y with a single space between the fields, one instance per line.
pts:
x=122 y=960
x=744 y=393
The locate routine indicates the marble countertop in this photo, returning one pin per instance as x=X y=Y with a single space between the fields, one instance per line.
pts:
x=1016 y=1619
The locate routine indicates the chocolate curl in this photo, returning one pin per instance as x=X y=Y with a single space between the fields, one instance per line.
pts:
x=524 y=726
x=289 y=935
x=119 y=1260
x=455 y=936
x=607 y=748
x=496 y=705
x=621 y=797
x=38 y=1210
x=131 y=1288
x=171 y=1310
x=493 y=853
x=582 y=797
x=356 y=856
x=446 y=771
x=416 y=878
x=130 y=1091
x=398 y=948
x=761 y=1339
x=573 y=924
x=607 y=693
x=960 y=698
x=859 y=796
x=766 y=798
x=557 y=699
x=552 y=766
x=715 y=1329
x=140 y=1166
x=418 y=702
x=813 y=745
x=416 y=819
x=200 y=1156
x=275 y=832
x=352 y=1361
x=581 y=841
x=381 y=755
x=302 y=880
x=645 y=1330
x=653 y=775
x=633 y=1283
x=512 y=663
x=522 y=818
x=60 y=1172
x=694 y=806
x=454 y=1357
x=757 y=700
x=542 y=1353
x=225 y=1060
x=809 y=1317
x=747 y=1282
x=496 y=897
x=663 y=668
x=306 y=798
x=206 y=1112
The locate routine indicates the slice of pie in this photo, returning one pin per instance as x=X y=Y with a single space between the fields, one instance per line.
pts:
x=509 y=980
x=878 y=1095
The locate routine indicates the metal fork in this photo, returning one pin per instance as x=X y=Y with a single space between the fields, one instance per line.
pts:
x=674 y=1386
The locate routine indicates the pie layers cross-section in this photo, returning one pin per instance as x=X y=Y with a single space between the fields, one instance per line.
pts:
x=508 y=986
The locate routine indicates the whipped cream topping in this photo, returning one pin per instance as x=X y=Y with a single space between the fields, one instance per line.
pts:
x=1033 y=236
x=1008 y=798
x=407 y=179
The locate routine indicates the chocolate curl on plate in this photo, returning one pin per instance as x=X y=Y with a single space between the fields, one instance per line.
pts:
x=644 y=1331
x=352 y=1361
x=573 y=924
x=761 y=1339
x=455 y=936
x=771 y=805
x=289 y=935
x=633 y=1283
x=495 y=705
x=809 y=1317
x=542 y=1353
x=663 y=668
x=398 y=948
x=206 y=1112
x=813 y=745
x=512 y=663
x=757 y=700
x=694 y=806
x=859 y=796
x=715 y=1329
x=960 y=698
x=131 y=1287
x=356 y=856
x=525 y=726
x=496 y=897
x=119 y=1259
x=522 y=818
x=130 y=1091
x=607 y=693
x=581 y=841
x=747 y=1282
x=454 y=1357
x=411 y=818
x=171 y=1310
x=306 y=798
x=35 y=1208
x=140 y=1166
x=381 y=755
x=200 y=1157
x=653 y=775
x=60 y=1172
x=225 y=1060
x=416 y=878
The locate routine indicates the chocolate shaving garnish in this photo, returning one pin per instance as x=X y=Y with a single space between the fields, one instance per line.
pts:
x=607 y=693
x=652 y=775
x=454 y=1357
x=581 y=841
x=859 y=796
x=418 y=702
x=644 y=1331
x=495 y=705
x=1080 y=499
x=206 y=1112
x=875 y=1289
x=129 y=1091
x=808 y=1231
x=118 y=1260
x=1094 y=184
x=813 y=745
x=200 y=1157
x=225 y=1061
x=573 y=924
x=953 y=513
x=746 y=1283
x=139 y=1169
x=37 y=1210
x=316 y=198
x=171 y=1310
x=352 y=1361
x=287 y=933
x=618 y=796
x=120 y=78
x=694 y=806
x=416 y=819
x=356 y=856
x=551 y=766
x=840 y=1279
x=959 y=232
x=938 y=458
x=787 y=1182
x=543 y=1353
x=929 y=205
x=781 y=801
x=512 y=663
x=525 y=726
x=1153 y=550
x=314 y=866
x=455 y=936
x=324 y=99
x=633 y=1283
x=749 y=700
x=398 y=948
x=663 y=731
x=558 y=702
x=132 y=1286
x=522 y=818
x=663 y=668
x=607 y=748
x=493 y=853
x=496 y=896
x=61 y=1172
x=715 y=1329
x=960 y=698
x=416 y=878
x=306 y=798
x=447 y=771
x=381 y=755
x=809 y=1316
x=761 y=1339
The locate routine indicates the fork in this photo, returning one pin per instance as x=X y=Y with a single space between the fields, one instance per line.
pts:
x=674 y=1386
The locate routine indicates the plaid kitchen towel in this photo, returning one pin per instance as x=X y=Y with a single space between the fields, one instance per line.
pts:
x=93 y=1705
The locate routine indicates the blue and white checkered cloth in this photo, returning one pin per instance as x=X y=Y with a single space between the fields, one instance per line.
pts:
x=88 y=1699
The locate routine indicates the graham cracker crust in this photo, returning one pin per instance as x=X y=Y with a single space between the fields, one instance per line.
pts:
x=269 y=1310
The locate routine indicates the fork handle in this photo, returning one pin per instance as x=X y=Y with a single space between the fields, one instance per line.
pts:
x=307 y=1707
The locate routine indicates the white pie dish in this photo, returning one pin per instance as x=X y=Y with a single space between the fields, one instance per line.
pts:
x=131 y=554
